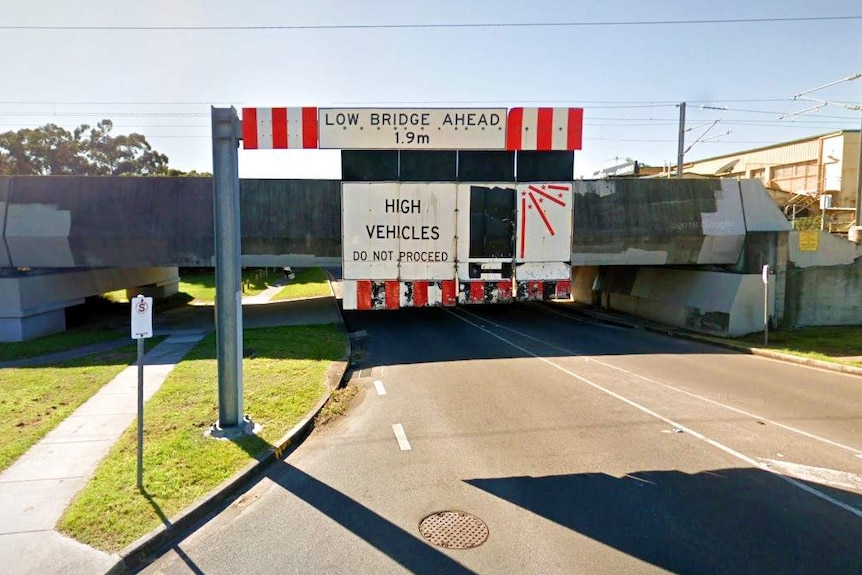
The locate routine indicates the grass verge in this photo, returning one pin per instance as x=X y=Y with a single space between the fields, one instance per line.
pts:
x=33 y=401
x=282 y=380
x=309 y=282
x=201 y=285
x=833 y=344
x=10 y=351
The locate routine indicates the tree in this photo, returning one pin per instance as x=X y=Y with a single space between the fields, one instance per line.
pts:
x=41 y=151
x=86 y=151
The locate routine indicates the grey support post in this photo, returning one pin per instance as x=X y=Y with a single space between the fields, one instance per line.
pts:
x=680 y=154
x=226 y=133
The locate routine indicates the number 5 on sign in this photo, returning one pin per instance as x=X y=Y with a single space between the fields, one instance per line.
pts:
x=142 y=317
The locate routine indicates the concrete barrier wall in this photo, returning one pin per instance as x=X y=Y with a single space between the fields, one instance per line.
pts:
x=66 y=222
x=657 y=222
x=291 y=222
x=98 y=222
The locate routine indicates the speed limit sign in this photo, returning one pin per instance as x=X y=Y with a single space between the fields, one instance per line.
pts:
x=142 y=317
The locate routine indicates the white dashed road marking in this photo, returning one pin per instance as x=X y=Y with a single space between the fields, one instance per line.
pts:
x=378 y=385
x=401 y=437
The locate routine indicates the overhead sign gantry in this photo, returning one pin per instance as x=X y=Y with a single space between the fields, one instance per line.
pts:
x=479 y=276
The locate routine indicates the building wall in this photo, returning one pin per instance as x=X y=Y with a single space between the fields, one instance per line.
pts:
x=850 y=171
x=749 y=161
x=821 y=164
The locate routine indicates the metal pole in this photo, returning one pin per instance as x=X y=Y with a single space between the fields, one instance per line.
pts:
x=226 y=134
x=766 y=305
x=680 y=153
x=140 y=413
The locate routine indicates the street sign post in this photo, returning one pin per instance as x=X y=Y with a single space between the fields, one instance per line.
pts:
x=142 y=328
x=765 y=277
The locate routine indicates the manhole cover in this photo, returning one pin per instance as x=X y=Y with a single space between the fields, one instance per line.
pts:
x=453 y=530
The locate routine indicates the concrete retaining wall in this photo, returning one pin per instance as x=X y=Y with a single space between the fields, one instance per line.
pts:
x=716 y=303
x=824 y=280
x=824 y=296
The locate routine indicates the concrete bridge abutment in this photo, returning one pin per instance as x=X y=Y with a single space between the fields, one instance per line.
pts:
x=33 y=302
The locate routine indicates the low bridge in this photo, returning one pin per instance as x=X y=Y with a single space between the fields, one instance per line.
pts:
x=90 y=222
x=686 y=252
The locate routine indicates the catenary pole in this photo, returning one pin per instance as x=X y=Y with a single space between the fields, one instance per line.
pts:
x=681 y=148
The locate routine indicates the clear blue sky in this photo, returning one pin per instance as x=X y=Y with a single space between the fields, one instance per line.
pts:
x=627 y=78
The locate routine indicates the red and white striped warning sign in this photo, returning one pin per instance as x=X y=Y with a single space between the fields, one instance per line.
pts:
x=279 y=128
x=544 y=129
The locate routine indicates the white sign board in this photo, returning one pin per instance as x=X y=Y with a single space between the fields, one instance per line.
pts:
x=412 y=128
x=764 y=274
x=544 y=222
x=398 y=231
x=142 y=317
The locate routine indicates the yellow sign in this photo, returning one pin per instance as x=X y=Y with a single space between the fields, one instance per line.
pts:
x=808 y=241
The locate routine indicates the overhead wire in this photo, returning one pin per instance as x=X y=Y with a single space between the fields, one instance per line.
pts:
x=430 y=25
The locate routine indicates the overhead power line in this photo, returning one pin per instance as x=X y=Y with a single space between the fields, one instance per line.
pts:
x=591 y=103
x=607 y=23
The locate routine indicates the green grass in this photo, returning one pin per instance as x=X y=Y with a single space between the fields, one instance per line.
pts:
x=309 y=282
x=282 y=380
x=825 y=343
x=116 y=296
x=10 y=351
x=33 y=401
x=201 y=286
x=808 y=223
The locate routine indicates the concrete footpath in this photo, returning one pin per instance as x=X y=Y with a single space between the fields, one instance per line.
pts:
x=37 y=488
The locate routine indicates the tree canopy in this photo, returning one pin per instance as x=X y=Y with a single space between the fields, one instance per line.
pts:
x=86 y=151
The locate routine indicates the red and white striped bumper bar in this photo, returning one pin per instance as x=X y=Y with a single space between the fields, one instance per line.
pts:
x=394 y=294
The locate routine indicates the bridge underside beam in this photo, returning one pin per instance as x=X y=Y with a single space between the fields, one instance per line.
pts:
x=33 y=303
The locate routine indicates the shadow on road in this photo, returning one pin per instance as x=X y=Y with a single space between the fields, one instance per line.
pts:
x=451 y=334
x=403 y=547
x=732 y=521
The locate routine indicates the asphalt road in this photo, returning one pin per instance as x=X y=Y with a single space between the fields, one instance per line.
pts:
x=585 y=448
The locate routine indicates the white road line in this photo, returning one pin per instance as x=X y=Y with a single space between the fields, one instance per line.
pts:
x=854 y=450
x=401 y=437
x=821 y=475
x=378 y=385
x=730 y=451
